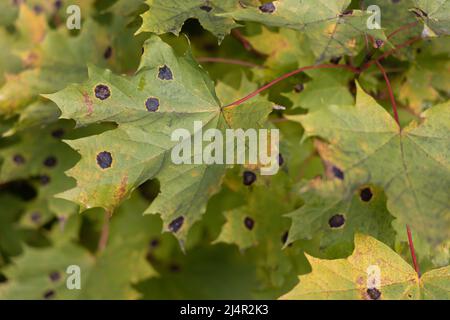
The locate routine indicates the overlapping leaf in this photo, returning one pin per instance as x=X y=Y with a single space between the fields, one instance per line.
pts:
x=40 y=273
x=331 y=29
x=410 y=165
x=259 y=228
x=10 y=238
x=373 y=172
x=325 y=86
x=429 y=256
x=395 y=15
x=435 y=15
x=336 y=214
x=8 y=12
x=53 y=11
x=169 y=16
x=167 y=93
x=57 y=59
x=427 y=81
x=284 y=50
x=40 y=159
x=352 y=278
x=17 y=44
x=222 y=274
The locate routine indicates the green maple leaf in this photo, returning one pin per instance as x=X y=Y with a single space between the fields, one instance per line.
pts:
x=40 y=158
x=57 y=59
x=140 y=146
x=9 y=63
x=30 y=273
x=284 y=49
x=330 y=30
x=325 y=86
x=124 y=7
x=428 y=256
x=169 y=16
x=41 y=112
x=394 y=15
x=40 y=273
x=8 y=13
x=265 y=203
x=348 y=278
x=24 y=158
x=17 y=44
x=259 y=228
x=50 y=10
x=427 y=80
x=336 y=214
x=435 y=15
x=213 y=272
x=410 y=165
x=241 y=85
x=10 y=237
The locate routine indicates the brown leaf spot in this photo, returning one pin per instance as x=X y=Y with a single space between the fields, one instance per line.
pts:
x=31 y=60
x=121 y=191
x=366 y=194
x=336 y=221
x=49 y=294
x=176 y=224
x=373 y=294
x=88 y=102
x=249 y=223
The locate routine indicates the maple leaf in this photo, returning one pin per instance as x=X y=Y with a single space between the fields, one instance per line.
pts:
x=233 y=232
x=39 y=159
x=40 y=273
x=167 y=92
x=325 y=86
x=8 y=13
x=124 y=7
x=336 y=215
x=258 y=225
x=57 y=59
x=349 y=278
x=17 y=47
x=284 y=50
x=169 y=16
x=23 y=157
x=251 y=224
x=427 y=80
x=331 y=30
x=54 y=11
x=9 y=62
x=435 y=15
x=10 y=237
x=428 y=256
x=189 y=279
x=395 y=15
x=410 y=165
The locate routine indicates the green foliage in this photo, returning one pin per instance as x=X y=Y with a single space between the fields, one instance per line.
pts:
x=87 y=179
x=186 y=97
x=169 y=16
x=326 y=203
x=331 y=30
x=415 y=159
x=107 y=276
x=346 y=278
x=435 y=16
